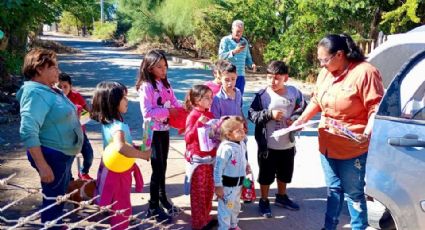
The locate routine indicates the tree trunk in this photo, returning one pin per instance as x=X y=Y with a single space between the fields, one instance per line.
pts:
x=373 y=34
x=17 y=40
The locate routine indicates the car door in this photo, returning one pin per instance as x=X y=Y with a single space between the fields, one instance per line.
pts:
x=395 y=171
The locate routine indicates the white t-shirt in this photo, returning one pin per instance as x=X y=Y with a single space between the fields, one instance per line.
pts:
x=286 y=103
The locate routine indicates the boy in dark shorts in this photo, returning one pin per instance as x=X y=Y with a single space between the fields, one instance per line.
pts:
x=274 y=108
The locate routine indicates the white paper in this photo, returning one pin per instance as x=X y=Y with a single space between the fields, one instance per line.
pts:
x=289 y=129
x=205 y=142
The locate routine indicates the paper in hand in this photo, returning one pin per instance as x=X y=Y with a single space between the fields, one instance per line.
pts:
x=291 y=128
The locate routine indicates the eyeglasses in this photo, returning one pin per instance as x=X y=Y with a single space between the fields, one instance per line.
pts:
x=326 y=60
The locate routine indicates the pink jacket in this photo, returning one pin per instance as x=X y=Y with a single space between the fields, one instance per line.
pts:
x=154 y=104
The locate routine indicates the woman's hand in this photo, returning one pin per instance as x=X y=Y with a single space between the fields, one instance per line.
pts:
x=46 y=174
x=219 y=192
x=362 y=138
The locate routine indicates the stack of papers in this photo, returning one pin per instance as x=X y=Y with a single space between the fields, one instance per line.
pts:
x=291 y=128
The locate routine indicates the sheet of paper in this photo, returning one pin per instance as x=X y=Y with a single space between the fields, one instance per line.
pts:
x=284 y=131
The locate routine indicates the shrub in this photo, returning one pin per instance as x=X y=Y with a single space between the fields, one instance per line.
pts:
x=104 y=30
x=13 y=61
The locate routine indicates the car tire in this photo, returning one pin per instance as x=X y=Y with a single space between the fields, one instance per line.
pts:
x=379 y=217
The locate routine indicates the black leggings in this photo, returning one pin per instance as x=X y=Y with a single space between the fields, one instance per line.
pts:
x=160 y=146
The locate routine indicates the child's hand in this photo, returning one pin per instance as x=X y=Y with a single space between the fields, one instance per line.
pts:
x=203 y=119
x=173 y=112
x=248 y=169
x=289 y=122
x=219 y=192
x=146 y=155
x=277 y=114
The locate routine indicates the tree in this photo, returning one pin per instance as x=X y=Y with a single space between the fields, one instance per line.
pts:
x=260 y=18
x=404 y=17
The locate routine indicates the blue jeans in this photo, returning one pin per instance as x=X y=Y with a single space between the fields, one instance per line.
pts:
x=240 y=83
x=61 y=167
x=87 y=152
x=345 y=177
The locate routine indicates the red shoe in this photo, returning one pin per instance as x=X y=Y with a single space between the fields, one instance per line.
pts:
x=84 y=176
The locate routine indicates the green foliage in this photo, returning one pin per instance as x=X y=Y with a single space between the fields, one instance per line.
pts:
x=177 y=16
x=13 y=61
x=69 y=23
x=309 y=21
x=104 y=30
x=406 y=16
x=260 y=19
x=139 y=15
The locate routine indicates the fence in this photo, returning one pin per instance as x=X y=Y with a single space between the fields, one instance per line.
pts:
x=367 y=45
x=91 y=216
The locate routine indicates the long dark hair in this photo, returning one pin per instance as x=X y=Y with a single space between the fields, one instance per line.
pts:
x=106 y=100
x=343 y=42
x=194 y=95
x=152 y=58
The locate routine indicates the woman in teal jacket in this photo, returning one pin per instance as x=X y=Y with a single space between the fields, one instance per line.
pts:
x=50 y=128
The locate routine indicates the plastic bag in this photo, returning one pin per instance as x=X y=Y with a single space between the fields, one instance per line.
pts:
x=248 y=189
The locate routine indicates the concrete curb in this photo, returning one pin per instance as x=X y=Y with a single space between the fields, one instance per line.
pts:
x=192 y=63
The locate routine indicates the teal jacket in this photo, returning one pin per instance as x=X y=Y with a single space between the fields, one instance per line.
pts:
x=49 y=119
x=240 y=60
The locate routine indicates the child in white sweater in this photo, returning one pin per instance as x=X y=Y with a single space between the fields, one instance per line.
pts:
x=229 y=172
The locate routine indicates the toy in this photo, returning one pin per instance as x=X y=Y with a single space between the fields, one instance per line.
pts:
x=147 y=135
x=115 y=161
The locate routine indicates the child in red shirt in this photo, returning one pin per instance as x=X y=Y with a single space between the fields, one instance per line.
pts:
x=198 y=102
x=75 y=97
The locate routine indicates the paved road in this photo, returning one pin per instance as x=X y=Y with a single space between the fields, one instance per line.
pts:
x=96 y=63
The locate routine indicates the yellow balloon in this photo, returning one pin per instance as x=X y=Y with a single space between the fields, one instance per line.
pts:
x=115 y=161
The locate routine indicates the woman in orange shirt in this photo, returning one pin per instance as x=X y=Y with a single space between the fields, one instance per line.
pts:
x=348 y=92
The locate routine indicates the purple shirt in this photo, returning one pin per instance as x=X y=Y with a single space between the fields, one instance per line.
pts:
x=222 y=105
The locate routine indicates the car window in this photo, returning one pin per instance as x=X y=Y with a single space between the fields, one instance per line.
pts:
x=412 y=92
x=404 y=97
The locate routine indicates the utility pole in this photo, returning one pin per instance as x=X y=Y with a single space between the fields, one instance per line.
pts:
x=101 y=11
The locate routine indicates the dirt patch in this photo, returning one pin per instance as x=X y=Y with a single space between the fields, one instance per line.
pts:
x=53 y=45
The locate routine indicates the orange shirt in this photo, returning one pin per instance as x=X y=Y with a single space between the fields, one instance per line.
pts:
x=350 y=99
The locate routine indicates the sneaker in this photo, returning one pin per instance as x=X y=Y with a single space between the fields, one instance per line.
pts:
x=171 y=209
x=285 y=202
x=264 y=206
x=236 y=228
x=159 y=215
x=174 y=210
x=210 y=225
x=84 y=176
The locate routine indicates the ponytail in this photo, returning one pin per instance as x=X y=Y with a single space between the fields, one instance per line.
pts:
x=343 y=42
x=187 y=101
x=354 y=52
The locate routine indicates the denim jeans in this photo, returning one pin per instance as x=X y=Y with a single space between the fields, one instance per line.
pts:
x=240 y=84
x=60 y=165
x=87 y=152
x=345 y=177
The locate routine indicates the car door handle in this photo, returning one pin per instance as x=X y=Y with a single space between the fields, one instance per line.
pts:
x=406 y=142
